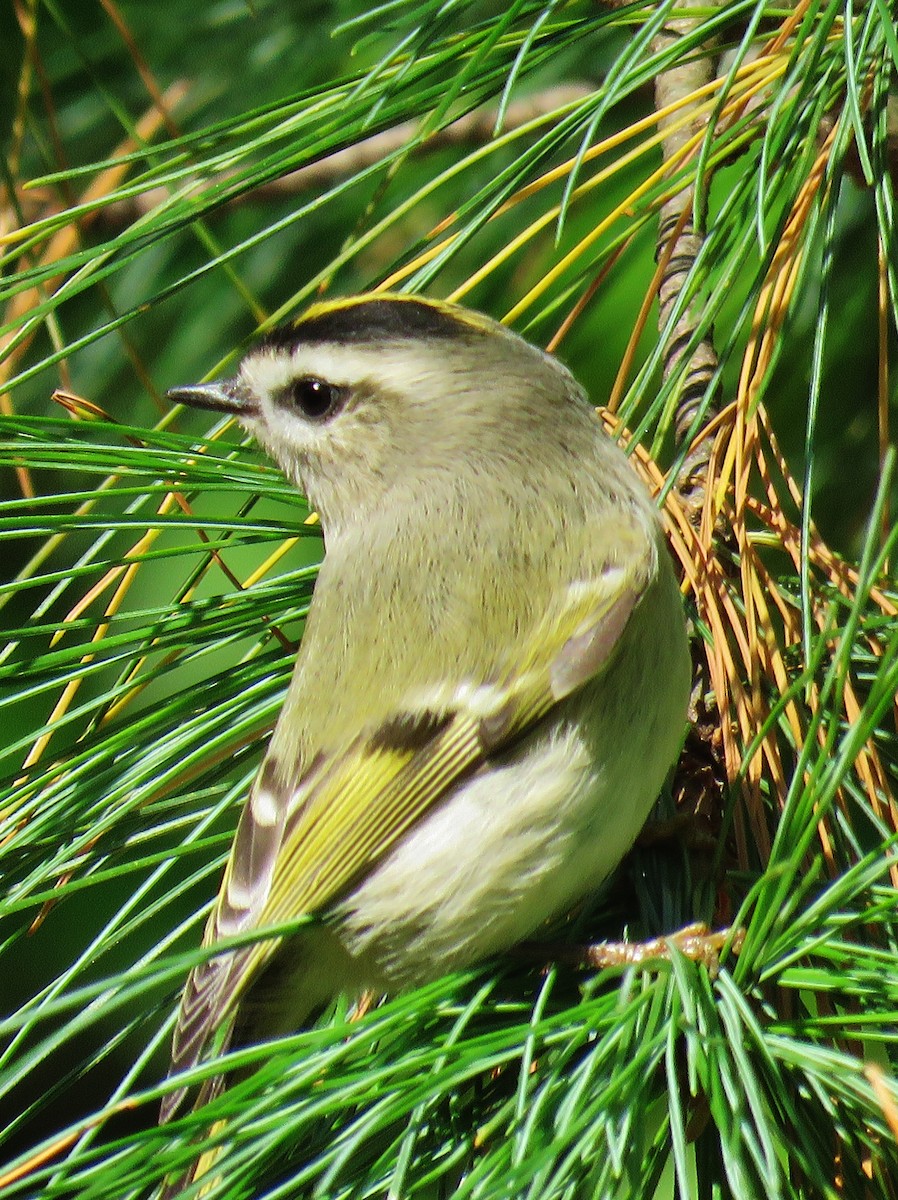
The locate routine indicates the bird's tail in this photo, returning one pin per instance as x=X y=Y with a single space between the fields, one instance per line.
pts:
x=173 y=1188
x=204 y=1162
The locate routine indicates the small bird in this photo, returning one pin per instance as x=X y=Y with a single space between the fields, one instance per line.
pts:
x=493 y=679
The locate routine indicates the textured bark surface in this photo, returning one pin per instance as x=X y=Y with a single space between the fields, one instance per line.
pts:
x=676 y=225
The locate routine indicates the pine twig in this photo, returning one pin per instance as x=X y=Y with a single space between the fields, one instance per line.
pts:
x=474 y=128
x=679 y=243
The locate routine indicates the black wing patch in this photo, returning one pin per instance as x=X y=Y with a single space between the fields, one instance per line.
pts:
x=409 y=731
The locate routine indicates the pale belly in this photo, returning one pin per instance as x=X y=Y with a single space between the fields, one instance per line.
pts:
x=508 y=851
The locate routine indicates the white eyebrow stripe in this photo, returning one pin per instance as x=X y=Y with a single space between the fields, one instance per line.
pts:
x=401 y=366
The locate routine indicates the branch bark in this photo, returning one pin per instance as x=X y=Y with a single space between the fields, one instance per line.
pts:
x=676 y=226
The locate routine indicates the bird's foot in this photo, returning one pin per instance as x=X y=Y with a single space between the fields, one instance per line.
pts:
x=696 y=941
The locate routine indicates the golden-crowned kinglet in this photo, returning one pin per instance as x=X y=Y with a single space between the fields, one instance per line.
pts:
x=493 y=678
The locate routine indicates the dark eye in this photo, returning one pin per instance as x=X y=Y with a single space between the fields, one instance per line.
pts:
x=314 y=398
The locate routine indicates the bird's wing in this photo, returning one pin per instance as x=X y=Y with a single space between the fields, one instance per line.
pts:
x=298 y=848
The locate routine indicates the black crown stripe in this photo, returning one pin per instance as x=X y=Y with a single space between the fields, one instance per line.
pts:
x=376 y=320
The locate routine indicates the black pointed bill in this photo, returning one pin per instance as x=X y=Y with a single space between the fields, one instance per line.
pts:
x=221 y=395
